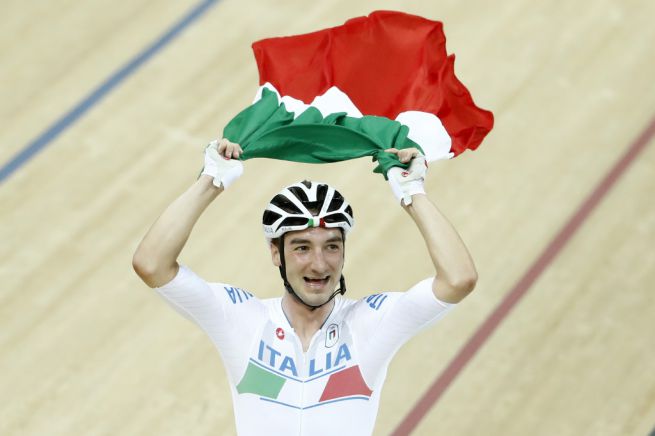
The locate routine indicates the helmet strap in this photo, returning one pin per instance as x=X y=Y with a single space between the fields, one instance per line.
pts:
x=283 y=273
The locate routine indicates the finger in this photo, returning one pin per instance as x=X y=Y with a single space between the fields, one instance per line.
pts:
x=235 y=150
x=405 y=156
x=228 y=149
x=232 y=150
x=392 y=150
x=413 y=152
x=222 y=144
x=410 y=153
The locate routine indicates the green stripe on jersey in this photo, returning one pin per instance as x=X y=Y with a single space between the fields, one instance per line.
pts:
x=258 y=381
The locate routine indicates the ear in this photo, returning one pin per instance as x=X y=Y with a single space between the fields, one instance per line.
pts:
x=275 y=255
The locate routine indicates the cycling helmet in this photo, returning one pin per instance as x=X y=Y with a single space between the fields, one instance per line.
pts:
x=301 y=206
x=306 y=204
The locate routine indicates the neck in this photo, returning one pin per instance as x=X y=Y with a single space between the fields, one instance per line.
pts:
x=304 y=320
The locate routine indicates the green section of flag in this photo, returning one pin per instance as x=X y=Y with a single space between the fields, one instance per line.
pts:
x=258 y=381
x=266 y=129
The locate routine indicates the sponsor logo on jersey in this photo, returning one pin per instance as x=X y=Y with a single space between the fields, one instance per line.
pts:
x=279 y=332
x=331 y=335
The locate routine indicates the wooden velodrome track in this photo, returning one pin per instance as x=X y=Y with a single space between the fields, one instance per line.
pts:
x=87 y=349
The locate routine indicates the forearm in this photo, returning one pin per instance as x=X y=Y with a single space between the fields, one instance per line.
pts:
x=456 y=274
x=155 y=260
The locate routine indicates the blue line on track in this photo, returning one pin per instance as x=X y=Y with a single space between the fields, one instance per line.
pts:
x=68 y=119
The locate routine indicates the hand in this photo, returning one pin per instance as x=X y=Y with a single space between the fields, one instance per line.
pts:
x=405 y=183
x=221 y=162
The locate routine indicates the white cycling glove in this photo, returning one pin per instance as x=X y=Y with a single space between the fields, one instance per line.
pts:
x=405 y=183
x=224 y=171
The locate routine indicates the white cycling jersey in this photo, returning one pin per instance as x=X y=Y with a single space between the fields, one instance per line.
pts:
x=277 y=389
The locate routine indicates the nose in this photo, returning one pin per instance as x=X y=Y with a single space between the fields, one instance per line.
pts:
x=319 y=264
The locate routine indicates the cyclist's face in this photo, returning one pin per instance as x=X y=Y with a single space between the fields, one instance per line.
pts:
x=314 y=260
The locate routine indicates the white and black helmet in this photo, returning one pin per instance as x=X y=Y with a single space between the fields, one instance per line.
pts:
x=306 y=204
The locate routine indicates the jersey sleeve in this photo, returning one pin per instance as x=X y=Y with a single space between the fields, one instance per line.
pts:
x=384 y=322
x=227 y=314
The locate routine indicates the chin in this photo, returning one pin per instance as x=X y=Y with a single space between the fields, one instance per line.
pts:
x=316 y=298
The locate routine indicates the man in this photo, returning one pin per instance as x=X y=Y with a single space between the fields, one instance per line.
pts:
x=310 y=362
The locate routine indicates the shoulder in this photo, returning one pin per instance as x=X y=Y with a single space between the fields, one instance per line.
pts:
x=187 y=285
x=233 y=294
x=417 y=297
x=373 y=303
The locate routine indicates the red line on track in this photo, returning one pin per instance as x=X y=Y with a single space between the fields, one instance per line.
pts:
x=482 y=334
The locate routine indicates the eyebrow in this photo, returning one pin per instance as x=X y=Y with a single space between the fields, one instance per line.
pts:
x=307 y=241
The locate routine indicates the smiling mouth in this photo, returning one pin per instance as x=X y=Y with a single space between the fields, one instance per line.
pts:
x=316 y=282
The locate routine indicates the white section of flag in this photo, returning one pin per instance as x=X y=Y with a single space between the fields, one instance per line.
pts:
x=425 y=128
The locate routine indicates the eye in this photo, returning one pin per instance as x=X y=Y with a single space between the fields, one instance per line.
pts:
x=301 y=248
x=334 y=247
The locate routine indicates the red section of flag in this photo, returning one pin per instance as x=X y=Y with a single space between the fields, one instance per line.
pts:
x=387 y=63
x=345 y=383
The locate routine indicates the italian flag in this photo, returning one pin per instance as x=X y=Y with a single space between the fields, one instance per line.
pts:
x=375 y=82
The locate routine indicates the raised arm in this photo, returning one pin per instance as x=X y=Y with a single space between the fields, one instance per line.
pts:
x=455 y=272
x=155 y=259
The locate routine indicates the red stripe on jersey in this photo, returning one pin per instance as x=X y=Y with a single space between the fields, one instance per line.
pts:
x=345 y=383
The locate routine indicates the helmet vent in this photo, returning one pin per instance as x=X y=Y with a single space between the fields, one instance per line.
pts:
x=270 y=217
x=294 y=221
x=285 y=204
x=336 y=203
x=299 y=193
x=335 y=218
x=321 y=192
